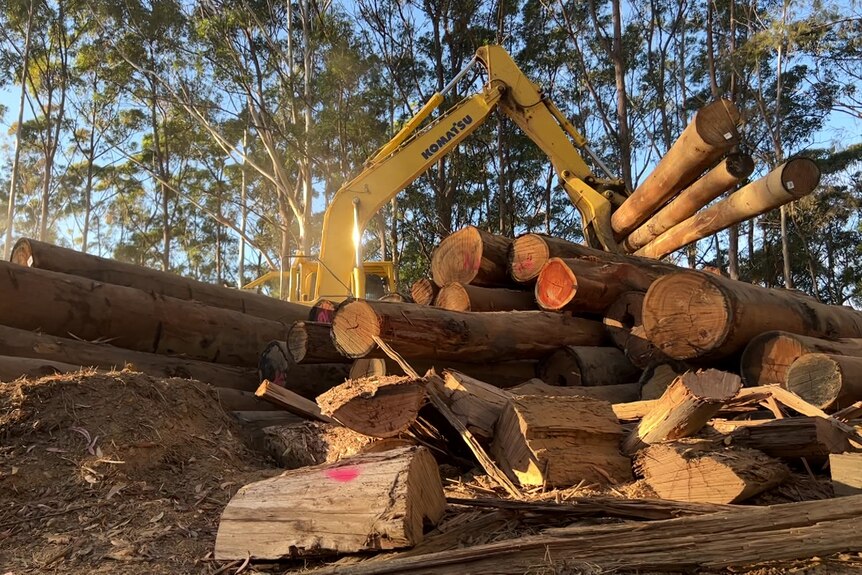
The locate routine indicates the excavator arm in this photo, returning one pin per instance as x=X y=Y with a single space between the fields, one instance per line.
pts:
x=339 y=272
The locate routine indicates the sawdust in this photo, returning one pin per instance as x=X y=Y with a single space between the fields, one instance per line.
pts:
x=115 y=473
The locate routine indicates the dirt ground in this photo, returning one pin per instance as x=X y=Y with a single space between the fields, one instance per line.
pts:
x=126 y=474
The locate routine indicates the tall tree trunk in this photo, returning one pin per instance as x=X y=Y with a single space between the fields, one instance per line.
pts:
x=243 y=223
x=779 y=151
x=10 y=211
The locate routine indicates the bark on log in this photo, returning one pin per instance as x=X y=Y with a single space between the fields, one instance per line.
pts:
x=624 y=322
x=471 y=256
x=830 y=382
x=424 y=291
x=36 y=254
x=724 y=315
x=581 y=286
x=785 y=532
x=768 y=356
x=277 y=365
x=375 y=406
x=308 y=443
x=23 y=343
x=130 y=318
x=846 y=470
x=684 y=408
x=311 y=342
x=786 y=183
x=465 y=297
x=323 y=311
x=711 y=133
x=501 y=374
x=813 y=438
x=429 y=333
x=369 y=502
x=530 y=252
x=588 y=366
x=726 y=175
x=699 y=472
x=12 y=368
x=623 y=393
x=533 y=442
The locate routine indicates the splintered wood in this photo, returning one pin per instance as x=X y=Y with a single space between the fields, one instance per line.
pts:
x=560 y=441
x=370 y=502
x=699 y=472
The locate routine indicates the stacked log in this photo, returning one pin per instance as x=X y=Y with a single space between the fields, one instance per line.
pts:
x=471 y=256
x=829 y=382
x=768 y=356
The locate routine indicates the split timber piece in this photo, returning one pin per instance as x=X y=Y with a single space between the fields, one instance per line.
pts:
x=742 y=536
x=130 y=318
x=690 y=314
x=475 y=403
x=423 y=291
x=726 y=175
x=615 y=394
x=560 y=441
x=811 y=437
x=830 y=382
x=28 y=344
x=686 y=405
x=788 y=182
x=466 y=297
x=369 y=502
x=586 y=287
x=846 y=470
x=768 y=356
x=311 y=342
x=530 y=252
x=501 y=374
x=429 y=333
x=304 y=443
x=699 y=471
x=308 y=380
x=711 y=133
x=44 y=256
x=588 y=366
x=375 y=406
x=290 y=401
x=471 y=256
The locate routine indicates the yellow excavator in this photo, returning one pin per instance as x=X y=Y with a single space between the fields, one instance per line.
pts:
x=339 y=271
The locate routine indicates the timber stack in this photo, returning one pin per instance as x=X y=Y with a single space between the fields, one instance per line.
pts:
x=543 y=366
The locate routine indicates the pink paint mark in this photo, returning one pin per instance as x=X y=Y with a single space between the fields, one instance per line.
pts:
x=526 y=264
x=343 y=474
x=469 y=264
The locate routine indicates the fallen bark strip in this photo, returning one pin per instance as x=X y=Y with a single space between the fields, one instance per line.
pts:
x=711 y=133
x=423 y=332
x=44 y=256
x=726 y=315
x=738 y=537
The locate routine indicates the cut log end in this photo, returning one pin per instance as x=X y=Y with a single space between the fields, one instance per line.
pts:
x=826 y=381
x=527 y=256
x=671 y=303
x=458 y=257
x=716 y=123
x=22 y=253
x=423 y=291
x=354 y=329
x=557 y=285
x=453 y=297
x=800 y=176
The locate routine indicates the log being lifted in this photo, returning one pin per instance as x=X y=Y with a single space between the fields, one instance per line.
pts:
x=41 y=347
x=624 y=322
x=466 y=297
x=786 y=183
x=690 y=314
x=581 y=286
x=587 y=366
x=726 y=175
x=36 y=254
x=369 y=502
x=530 y=252
x=310 y=342
x=423 y=291
x=688 y=403
x=61 y=304
x=700 y=472
x=471 y=256
x=429 y=333
x=830 y=382
x=710 y=134
x=768 y=356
